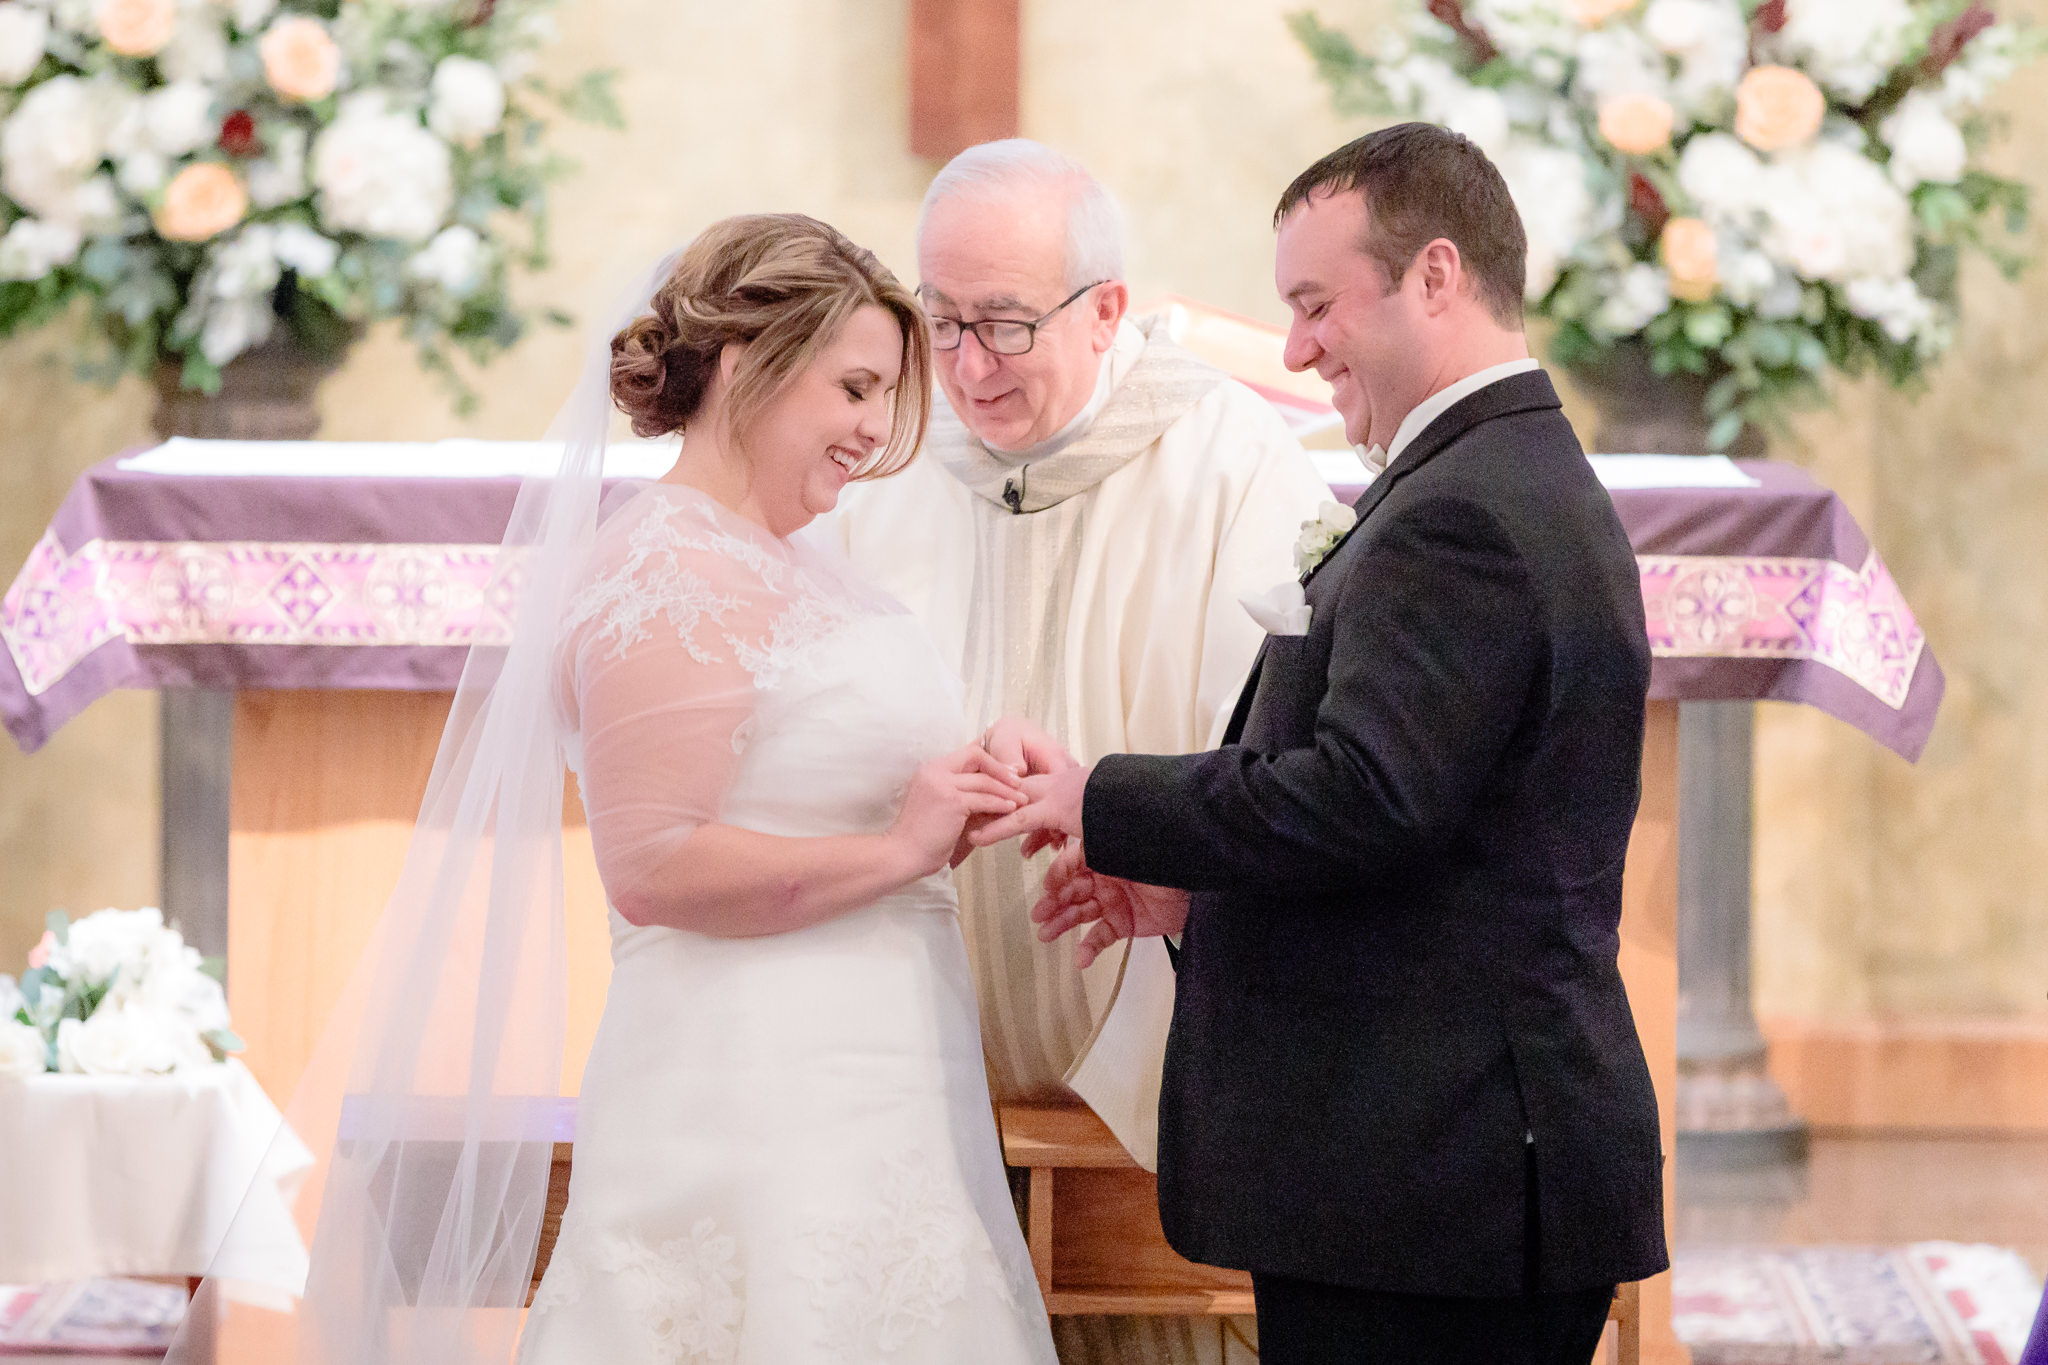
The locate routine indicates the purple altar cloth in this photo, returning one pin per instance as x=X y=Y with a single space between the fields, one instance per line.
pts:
x=383 y=583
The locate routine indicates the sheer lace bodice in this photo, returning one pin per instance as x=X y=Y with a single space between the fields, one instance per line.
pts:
x=701 y=652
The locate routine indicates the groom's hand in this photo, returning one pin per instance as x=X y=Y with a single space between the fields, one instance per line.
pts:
x=1026 y=749
x=1052 y=808
x=1113 y=907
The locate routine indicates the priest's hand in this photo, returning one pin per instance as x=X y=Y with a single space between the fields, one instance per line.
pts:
x=1112 y=907
x=1050 y=816
x=1025 y=748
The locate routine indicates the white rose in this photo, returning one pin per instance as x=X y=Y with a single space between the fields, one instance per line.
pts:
x=1746 y=276
x=304 y=251
x=1617 y=60
x=180 y=118
x=1721 y=176
x=142 y=173
x=381 y=174
x=1834 y=215
x=234 y=325
x=1548 y=185
x=136 y=1041
x=22 y=1051
x=1895 y=305
x=1926 y=145
x=1711 y=42
x=1336 y=517
x=23 y=32
x=1639 y=297
x=10 y=996
x=467 y=100
x=1849 y=46
x=1524 y=29
x=280 y=177
x=246 y=266
x=250 y=14
x=49 y=145
x=31 y=249
x=1481 y=115
x=452 y=262
x=99 y=946
x=198 y=50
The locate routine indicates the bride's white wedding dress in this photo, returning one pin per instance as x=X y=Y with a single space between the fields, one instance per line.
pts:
x=784 y=1145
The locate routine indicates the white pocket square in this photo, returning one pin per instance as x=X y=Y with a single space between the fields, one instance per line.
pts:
x=1282 y=609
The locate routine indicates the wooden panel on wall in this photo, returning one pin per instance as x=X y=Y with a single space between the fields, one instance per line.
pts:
x=326 y=788
x=1649 y=967
x=1916 y=1075
x=963 y=74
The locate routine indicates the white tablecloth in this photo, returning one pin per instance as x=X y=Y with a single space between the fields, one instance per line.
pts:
x=142 y=1176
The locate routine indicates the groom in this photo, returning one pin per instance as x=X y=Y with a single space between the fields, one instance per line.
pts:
x=1403 y=1086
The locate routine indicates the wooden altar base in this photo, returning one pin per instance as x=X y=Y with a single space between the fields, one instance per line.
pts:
x=327 y=785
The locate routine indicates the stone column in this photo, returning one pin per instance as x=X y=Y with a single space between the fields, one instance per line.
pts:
x=1730 y=1111
x=198 y=761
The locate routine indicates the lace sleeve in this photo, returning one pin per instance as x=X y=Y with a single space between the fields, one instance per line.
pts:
x=652 y=686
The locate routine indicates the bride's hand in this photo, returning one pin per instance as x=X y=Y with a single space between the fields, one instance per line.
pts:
x=1025 y=748
x=944 y=795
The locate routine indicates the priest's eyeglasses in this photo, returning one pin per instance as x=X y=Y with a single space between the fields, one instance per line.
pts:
x=998 y=336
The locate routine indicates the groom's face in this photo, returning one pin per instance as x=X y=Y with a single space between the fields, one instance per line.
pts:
x=1349 y=325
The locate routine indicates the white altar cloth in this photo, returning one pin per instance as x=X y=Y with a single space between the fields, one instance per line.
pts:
x=119 y=1175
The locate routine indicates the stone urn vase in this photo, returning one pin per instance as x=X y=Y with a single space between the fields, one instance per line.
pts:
x=266 y=394
x=1646 y=413
x=1732 y=1116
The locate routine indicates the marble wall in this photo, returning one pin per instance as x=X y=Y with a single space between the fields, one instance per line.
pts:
x=1881 y=887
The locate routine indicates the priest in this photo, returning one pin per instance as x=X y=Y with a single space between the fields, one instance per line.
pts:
x=1092 y=505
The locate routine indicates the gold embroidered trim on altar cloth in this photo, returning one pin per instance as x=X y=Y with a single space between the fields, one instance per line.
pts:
x=65 y=604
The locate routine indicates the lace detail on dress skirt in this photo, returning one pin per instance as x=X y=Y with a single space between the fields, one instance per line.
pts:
x=879 y=1278
x=685 y=1295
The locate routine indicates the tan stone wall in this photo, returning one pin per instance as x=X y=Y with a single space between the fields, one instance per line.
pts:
x=1881 y=887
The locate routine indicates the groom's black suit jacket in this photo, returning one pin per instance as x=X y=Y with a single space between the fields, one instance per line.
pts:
x=1399 y=963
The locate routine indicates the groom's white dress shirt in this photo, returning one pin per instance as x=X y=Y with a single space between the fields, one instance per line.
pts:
x=1434 y=406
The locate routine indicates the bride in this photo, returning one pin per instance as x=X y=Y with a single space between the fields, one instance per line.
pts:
x=784 y=1143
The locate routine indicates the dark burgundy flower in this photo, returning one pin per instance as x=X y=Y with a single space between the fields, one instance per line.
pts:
x=1647 y=204
x=238 y=134
x=1947 y=42
x=1769 y=17
x=1451 y=15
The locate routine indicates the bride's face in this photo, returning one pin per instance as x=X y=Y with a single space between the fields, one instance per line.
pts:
x=826 y=422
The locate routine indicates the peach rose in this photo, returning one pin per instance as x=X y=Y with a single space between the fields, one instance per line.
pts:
x=1691 y=259
x=299 y=60
x=204 y=200
x=1777 y=107
x=1637 y=124
x=137 y=28
x=1592 y=13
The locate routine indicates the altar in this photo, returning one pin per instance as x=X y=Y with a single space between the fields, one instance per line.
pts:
x=333 y=590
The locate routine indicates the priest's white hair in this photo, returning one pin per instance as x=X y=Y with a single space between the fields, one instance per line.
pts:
x=1095 y=224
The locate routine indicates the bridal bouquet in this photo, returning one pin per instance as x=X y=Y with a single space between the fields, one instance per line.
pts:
x=119 y=993
x=199 y=173
x=1751 y=191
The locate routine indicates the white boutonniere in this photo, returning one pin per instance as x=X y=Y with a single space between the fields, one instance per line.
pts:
x=1321 y=534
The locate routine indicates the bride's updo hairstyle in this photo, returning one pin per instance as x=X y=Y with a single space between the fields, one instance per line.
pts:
x=784 y=284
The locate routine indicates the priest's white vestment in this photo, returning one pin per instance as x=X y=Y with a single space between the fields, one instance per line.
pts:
x=1095 y=590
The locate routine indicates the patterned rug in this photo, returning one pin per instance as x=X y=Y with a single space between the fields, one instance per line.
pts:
x=1931 y=1303
x=89 y=1317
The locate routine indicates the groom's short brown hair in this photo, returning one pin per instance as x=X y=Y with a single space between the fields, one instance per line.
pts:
x=1421 y=182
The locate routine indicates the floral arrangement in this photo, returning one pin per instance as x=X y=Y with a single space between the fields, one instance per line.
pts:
x=199 y=173
x=1755 y=192
x=1320 y=534
x=119 y=993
